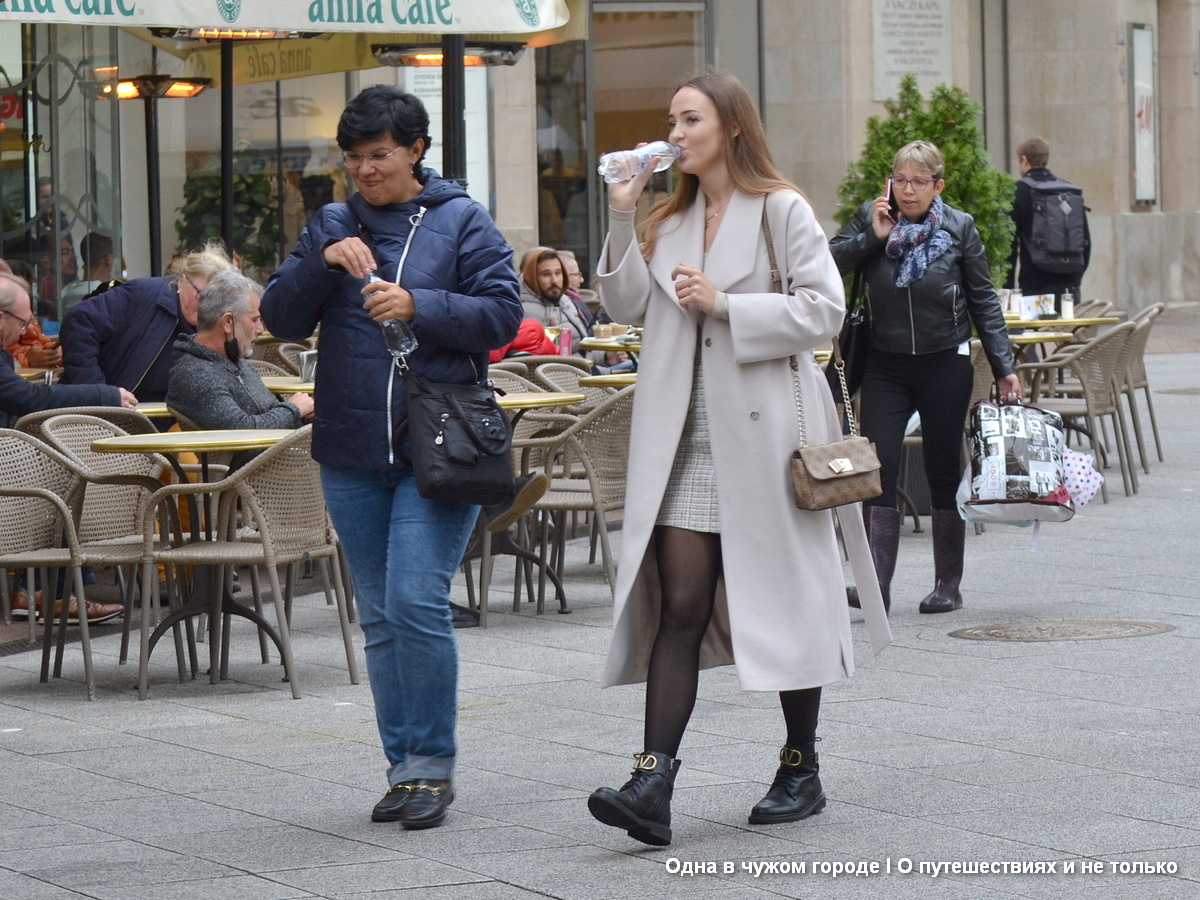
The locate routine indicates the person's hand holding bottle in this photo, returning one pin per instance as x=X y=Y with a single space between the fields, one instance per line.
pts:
x=624 y=195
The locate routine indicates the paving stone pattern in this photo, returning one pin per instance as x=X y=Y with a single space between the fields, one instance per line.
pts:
x=1062 y=755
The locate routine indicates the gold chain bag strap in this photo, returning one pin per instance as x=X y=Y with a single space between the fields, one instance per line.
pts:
x=827 y=475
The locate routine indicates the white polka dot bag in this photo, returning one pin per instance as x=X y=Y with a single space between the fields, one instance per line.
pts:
x=1080 y=476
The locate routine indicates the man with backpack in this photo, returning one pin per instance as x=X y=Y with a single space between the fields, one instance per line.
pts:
x=1052 y=243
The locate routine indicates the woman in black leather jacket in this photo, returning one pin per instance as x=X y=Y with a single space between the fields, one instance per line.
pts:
x=926 y=282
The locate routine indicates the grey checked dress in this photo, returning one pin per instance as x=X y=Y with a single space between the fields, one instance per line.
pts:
x=691 y=498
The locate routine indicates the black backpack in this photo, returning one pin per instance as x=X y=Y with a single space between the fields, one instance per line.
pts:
x=1057 y=240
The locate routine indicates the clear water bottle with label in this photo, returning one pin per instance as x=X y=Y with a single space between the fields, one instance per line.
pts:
x=397 y=334
x=625 y=164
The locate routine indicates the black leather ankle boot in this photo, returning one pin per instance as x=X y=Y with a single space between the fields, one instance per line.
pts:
x=796 y=792
x=643 y=804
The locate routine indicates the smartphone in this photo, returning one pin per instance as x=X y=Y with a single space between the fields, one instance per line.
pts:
x=893 y=208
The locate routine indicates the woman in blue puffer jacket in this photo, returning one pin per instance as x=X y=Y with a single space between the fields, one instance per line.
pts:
x=458 y=291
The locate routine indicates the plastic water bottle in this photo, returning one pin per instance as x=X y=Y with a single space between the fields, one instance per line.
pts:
x=397 y=334
x=625 y=164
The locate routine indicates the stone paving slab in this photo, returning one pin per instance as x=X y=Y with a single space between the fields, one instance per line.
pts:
x=939 y=750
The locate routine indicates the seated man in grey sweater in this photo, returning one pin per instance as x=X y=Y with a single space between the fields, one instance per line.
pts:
x=211 y=383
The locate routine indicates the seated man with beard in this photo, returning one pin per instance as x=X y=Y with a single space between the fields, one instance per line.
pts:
x=211 y=383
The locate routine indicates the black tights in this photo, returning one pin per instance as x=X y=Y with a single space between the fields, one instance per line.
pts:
x=689 y=564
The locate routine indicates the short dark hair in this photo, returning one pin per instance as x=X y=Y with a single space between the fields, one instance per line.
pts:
x=94 y=247
x=383 y=109
x=1036 y=150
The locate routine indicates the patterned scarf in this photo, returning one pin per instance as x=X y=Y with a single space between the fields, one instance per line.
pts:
x=917 y=244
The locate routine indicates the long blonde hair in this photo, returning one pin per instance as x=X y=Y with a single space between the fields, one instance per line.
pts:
x=751 y=167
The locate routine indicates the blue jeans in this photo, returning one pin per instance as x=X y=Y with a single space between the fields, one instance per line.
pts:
x=403 y=550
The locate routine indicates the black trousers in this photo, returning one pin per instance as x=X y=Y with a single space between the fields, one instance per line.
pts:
x=936 y=385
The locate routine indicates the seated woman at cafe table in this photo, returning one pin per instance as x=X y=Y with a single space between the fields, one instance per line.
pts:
x=211 y=382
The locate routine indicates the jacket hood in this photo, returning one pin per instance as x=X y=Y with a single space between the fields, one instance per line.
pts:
x=436 y=191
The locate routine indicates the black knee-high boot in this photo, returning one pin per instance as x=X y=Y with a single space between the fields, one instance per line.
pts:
x=949 y=535
x=883 y=536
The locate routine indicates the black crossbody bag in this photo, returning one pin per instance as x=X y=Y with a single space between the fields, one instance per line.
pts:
x=458 y=436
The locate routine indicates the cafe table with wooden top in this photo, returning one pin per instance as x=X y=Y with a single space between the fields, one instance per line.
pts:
x=631 y=346
x=154 y=409
x=204 y=596
x=1062 y=324
x=612 y=380
x=33 y=373
x=521 y=403
x=288 y=384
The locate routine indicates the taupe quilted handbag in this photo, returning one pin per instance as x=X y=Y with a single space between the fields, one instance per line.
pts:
x=827 y=475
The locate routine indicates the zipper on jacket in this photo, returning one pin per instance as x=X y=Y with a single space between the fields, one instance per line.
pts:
x=415 y=221
x=912 y=324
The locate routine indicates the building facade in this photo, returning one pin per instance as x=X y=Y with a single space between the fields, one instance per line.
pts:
x=1113 y=85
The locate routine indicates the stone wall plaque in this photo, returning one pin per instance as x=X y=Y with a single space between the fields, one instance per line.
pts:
x=911 y=36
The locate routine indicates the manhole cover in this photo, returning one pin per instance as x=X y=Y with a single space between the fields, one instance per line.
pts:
x=12 y=648
x=1061 y=631
x=1189 y=392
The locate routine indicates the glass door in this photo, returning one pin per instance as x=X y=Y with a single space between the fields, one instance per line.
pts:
x=59 y=151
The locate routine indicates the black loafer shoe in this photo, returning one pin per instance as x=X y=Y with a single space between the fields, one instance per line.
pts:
x=389 y=808
x=427 y=804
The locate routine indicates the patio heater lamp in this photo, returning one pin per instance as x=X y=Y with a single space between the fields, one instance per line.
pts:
x=452 y=56
x=151 y=88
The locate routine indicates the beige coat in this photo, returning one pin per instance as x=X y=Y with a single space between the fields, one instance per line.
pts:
x=781 y=610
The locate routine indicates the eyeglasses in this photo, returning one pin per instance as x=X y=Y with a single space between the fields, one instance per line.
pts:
x=188 y=279
x=918 y=184
x=353 y=159
x=25 y=323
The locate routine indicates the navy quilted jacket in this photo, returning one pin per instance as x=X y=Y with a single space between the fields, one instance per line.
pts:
x=459 y=271
x=124 y=337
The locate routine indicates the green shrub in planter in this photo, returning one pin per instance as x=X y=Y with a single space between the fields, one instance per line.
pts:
x=949 y=120
x=255 y=218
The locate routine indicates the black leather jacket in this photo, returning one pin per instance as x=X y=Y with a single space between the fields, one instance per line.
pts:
x=936 y=312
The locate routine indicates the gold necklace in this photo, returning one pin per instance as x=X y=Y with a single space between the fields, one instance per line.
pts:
x=708 y=219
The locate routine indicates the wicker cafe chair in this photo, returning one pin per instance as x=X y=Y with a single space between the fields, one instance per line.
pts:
x=600 y=442
x=532 y=361
x=290 y=354
x=37 y=490
x=558 y=376
x=269 y=369
x=40 y=502
x=1093 y=398
x=280 y=490
x=272 y=352
x=118 y=488
x=219 y=465
x=1134 y=378
x=507 y=365
x=128 y=420
x=512 y=382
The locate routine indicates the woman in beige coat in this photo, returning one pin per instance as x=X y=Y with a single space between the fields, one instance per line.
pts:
x=717 y=563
